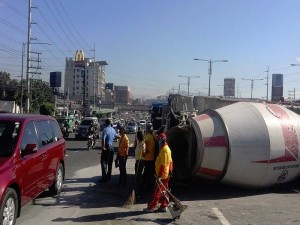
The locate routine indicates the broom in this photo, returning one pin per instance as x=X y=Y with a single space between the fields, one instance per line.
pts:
x=175 y=207
x=131 y=200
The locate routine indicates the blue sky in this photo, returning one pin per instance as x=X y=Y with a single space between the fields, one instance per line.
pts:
x=148 y=44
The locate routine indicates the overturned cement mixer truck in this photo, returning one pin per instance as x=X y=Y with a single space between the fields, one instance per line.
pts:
x=248 y=144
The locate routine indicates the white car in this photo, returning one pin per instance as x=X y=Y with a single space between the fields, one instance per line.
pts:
x=142 y=123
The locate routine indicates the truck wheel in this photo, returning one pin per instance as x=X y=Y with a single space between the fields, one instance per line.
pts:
x=9 y=207
x=57 y=185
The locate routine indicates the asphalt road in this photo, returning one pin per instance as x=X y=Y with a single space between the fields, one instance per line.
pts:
x=86 y=201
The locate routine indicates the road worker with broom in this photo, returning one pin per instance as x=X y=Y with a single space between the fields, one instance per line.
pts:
x=163 y=170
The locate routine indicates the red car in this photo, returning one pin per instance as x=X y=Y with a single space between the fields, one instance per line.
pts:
x=32 y=159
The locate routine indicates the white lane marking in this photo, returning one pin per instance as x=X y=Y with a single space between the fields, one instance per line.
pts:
x=220 y=216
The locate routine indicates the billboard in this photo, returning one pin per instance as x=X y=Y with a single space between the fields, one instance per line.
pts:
x=229 y=87
x=55 y=79
x=277 y=87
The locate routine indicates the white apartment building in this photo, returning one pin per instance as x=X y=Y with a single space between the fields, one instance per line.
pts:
x=85 y=79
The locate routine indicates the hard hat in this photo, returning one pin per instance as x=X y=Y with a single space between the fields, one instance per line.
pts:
x=163 y=136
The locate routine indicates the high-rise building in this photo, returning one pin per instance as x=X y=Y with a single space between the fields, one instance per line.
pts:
x=229 y=87
x=277 y=87
x=85 y=79
x=122 y=95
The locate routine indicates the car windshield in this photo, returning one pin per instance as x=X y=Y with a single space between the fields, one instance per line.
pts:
x=131 y=124
x=86 y=122
x=9 y=132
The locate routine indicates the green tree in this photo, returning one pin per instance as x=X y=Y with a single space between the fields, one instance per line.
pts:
x=41 y=97
x=41 y=94
x=47 y=109
x=4 y=84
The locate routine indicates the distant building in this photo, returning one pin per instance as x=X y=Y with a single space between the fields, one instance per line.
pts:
x=229 y=87
x=55 y=82
x=110 y=86
x=85 y=79
x=122 y=95
x=109 y=93
x=277 y=87
x=109 y=96
x=55 y=79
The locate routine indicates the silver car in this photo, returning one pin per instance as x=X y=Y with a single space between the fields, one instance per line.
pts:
x=131 y=127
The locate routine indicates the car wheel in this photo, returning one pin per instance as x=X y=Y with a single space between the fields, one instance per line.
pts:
x=57 y=185
x=9 y=207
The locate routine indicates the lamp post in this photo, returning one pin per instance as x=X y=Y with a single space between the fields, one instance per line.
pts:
x=210 y=62
x=189 y=79
x=252 y=81
x=293 y=64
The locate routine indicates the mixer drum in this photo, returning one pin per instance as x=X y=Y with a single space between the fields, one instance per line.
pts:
x=245 y=144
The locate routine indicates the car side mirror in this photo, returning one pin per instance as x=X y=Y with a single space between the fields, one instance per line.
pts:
x=29 y=149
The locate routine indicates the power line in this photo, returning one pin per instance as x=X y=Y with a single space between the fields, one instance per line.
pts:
x=13 y=9
x=59 y=24
x=77 y=32
x=69 y=30
x=12 y=26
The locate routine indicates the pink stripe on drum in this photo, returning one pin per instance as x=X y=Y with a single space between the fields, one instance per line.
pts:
x=209 y=172
x=219 y=141
x=202 y=117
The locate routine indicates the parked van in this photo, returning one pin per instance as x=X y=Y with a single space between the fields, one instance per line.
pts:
x=32 y=159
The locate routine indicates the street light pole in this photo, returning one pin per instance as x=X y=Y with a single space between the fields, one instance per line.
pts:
x=210 y=62
x=252 y=81
x=189 y=79
x=294 y=88
x=267 y=84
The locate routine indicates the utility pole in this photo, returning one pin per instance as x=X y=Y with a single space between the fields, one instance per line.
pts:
x=189 y=79
x=252 y=81
x=95 y=79
x=267 y=84
x=28 y=57
x=94 y=83
x=22 y=75
x=28 y=65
